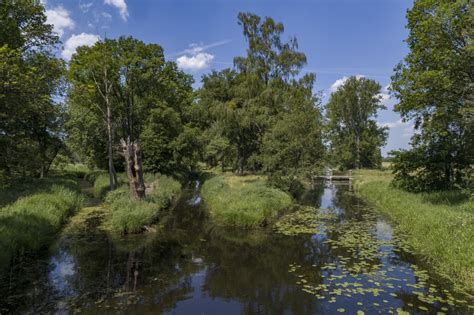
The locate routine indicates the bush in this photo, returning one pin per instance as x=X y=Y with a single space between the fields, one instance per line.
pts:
x=290 y=184
x=239 y=201
x=131 y=216
x=31 y=223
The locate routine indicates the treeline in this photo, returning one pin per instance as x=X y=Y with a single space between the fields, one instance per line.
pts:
x=119 y=105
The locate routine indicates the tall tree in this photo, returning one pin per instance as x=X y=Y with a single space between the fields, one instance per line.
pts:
x=93 y=73
x=246 y=105
x=435 y=88
x=30 y=80
x=355 y=139
x=129 y=87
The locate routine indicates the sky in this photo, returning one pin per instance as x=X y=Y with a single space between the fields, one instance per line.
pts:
x=339 y=37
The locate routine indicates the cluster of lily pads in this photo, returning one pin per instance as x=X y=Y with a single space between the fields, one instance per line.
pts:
x=365 y=266
x=304 y=220
x=336 y=282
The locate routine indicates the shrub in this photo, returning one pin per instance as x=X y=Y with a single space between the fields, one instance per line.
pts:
x=245 y=203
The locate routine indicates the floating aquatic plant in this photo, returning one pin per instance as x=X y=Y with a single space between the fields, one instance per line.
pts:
x=305 y=220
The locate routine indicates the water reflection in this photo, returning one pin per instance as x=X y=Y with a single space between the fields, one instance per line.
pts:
x=190 y=266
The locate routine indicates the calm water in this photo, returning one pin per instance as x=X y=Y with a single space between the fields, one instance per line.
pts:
x=353 y=263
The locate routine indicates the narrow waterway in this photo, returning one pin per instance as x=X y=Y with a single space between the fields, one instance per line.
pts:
x=353 y=263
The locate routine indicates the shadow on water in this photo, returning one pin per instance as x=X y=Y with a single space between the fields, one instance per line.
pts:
x=190 y=266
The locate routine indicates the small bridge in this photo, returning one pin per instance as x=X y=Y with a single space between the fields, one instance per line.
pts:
x=329 y=176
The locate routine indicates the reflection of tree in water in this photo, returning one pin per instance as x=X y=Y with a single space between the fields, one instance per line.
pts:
x=312 y=197
x=257 y=275
x=352 y=236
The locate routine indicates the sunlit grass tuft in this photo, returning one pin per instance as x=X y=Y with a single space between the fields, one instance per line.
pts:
x=31 y=223
x=131 y=216
x=438 y=226
x=244 y=201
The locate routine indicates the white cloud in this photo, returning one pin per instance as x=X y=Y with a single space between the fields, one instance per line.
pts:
x=78 y=40
x=198 y=61
x=195 y=57
x=340 y=82
x=408 y=131
x=386 y=98
x=121 y=6
x=85 y=6
x=106 y=15
x=60 y=18
x=393 y=124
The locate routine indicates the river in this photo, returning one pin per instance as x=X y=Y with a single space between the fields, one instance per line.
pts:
x=353 y=263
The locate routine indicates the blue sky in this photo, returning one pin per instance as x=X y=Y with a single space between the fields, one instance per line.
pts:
x=339 y=37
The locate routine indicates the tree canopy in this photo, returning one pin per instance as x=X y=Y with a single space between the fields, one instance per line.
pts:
x=434 y=86
x=31 y=83
x=262 y=115
x=354 y=136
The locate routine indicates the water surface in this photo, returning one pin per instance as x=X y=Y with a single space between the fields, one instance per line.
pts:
x=352 y=263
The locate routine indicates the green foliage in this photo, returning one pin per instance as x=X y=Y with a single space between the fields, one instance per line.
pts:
x=243 y=201
x=130 y=215
x=354 y=136
x=30 y=224
x=262 y=115
x=148 y=99
x=23 y=25
x=288 y=183
x=434 y=88
x=30 y=78
x=438 y=226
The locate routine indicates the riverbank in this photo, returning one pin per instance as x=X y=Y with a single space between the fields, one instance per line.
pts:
x=31 y=223
x=243 y=201
x=437 y=226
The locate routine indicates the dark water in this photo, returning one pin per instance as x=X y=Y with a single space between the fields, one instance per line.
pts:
x=353 y=264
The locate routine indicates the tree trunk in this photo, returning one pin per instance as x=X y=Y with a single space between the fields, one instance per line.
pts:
x=358 y=153
x=132 y=154
x=112 y=176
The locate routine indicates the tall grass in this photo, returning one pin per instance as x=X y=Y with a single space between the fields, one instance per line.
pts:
x=101 y=182
x=438 y=226
x=22 y=187
x=131 y=216
x=30 y=224
x=243 y=201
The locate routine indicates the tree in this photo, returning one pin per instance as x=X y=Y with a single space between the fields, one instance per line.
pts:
x=31 y=117
x=249 y=109
x=434 y=86
x=126 y=88
x=93 y=73
x=355 y=139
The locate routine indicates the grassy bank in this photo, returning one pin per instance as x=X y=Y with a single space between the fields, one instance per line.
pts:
x=131 y=216
x=31 y=223
x=244 y=201
x=22 y=187
x=438 y=226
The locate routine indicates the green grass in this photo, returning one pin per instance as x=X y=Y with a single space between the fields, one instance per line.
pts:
x=31 y=223
x=101 y=182
x=131 y=216
x=22 y=187
x=438 y=226
x=244 y=201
